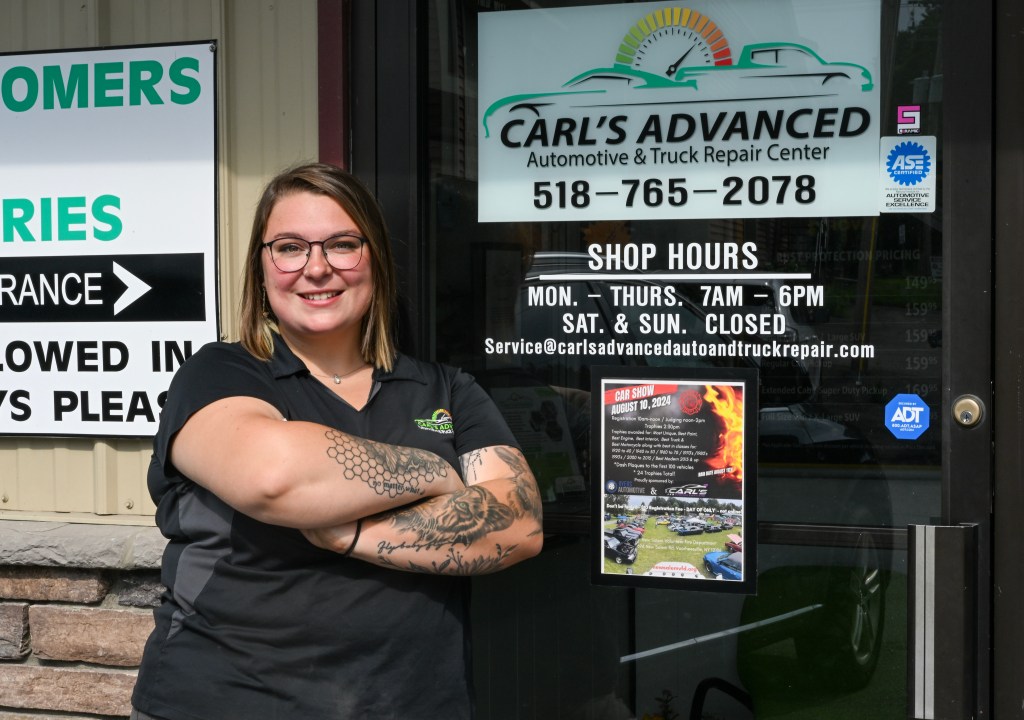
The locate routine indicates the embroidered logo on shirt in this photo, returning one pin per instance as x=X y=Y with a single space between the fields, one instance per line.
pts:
x=439 y=422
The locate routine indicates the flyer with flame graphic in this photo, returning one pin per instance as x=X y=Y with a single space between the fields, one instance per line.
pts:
x=676 y=467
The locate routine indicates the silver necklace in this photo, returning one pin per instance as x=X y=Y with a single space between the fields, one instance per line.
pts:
x=338 y=378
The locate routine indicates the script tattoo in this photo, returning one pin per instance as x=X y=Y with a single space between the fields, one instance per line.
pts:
x=455 y=563
x=388 y=469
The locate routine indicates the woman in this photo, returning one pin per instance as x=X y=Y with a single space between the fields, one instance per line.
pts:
x=306 y=478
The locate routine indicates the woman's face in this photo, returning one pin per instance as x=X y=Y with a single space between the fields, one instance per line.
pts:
x=317 y=300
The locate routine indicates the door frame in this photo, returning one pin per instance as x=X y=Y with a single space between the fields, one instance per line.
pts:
x=386 y=75
x=1008 y=504
x=982 y=213
x=967 y=466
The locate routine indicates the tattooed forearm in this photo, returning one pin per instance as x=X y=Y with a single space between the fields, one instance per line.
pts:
x=387 y=469
x=465 y=516
x=492 y=522
x=455 y=563
x=471 y=463
x=523 y=498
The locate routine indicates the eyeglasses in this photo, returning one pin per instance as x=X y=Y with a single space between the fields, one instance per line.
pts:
x=342 y=252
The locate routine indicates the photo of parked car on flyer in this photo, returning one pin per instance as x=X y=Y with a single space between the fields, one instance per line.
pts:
x=654 y=536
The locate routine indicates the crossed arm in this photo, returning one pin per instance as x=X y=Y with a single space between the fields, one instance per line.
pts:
x=417 y=514
x=493 y=522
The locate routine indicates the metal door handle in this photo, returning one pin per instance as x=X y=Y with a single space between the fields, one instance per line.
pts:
x=943 y=598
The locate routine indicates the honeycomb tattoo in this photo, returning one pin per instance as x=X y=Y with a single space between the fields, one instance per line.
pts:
x=386 y=469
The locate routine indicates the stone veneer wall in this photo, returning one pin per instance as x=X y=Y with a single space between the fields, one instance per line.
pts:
x=76 y=607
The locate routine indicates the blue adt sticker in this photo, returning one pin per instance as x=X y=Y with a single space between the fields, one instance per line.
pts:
x=907 y=417
x=908 y=163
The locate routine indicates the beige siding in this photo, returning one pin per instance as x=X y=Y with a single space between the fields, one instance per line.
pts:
x=267 y=119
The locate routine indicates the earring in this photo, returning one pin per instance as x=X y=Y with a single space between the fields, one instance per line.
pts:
x=266 y=305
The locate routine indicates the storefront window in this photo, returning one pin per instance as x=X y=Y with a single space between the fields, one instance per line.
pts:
x=825 y=635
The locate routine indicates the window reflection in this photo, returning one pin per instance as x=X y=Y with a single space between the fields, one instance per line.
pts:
x=826 y=457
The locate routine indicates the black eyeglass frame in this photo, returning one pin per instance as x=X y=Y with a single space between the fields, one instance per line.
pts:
x=321 y=243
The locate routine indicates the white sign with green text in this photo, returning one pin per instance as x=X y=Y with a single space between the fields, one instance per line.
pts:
x=724 y=109
x=107 y=234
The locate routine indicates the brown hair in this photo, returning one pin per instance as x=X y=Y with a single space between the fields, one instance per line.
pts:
x=257 y=320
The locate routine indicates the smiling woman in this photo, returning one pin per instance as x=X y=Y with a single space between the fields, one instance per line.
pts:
x=343 y=525
x=319 y=307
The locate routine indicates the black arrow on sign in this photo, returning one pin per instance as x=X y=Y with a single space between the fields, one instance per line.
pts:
x=103 y=288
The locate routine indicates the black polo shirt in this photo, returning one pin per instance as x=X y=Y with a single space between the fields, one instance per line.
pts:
x=257 y=622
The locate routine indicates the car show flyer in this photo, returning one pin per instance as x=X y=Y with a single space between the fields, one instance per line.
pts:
x=730 y=108
x=676 y=466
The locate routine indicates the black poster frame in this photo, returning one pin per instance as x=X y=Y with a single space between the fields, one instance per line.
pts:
x=658 y=407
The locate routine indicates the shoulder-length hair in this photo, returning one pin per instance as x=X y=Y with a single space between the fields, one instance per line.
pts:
x=257 y=319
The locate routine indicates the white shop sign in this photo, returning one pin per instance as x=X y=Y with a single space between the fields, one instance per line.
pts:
x=108 y=244
x=725 y=109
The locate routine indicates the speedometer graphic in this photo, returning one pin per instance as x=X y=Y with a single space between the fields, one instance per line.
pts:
x=666 y=40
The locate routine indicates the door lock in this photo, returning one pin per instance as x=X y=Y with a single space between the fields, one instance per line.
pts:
x=968 y=410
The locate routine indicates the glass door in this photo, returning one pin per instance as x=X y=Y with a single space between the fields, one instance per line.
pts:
x=856 y=439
